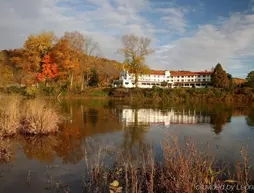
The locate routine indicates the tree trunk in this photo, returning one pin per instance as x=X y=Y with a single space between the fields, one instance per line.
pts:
x=136 y=80
x=87 y=79
x=82 y=82
x=71 y=84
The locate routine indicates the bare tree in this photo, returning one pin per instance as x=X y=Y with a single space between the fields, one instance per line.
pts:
x=91 y=51
x=135 y=49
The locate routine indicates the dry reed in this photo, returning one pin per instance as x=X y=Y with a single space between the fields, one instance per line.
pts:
x=39 y=117
x=9 y=115
x=183 y=169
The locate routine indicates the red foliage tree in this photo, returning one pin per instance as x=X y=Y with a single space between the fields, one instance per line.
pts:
x=49 y=70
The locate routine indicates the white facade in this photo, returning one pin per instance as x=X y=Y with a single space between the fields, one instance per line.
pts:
x=173 y=79
x=166 y=118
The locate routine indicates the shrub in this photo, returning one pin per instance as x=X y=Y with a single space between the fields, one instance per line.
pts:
x=31 y=91
x=15 y=90
x=48 y=91
x=39 y=117
x=9 y=115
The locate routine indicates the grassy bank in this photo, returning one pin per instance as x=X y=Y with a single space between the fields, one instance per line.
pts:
x=237 y=95
x=245 y=95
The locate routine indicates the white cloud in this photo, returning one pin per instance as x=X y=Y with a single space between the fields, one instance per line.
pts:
x=174 y=19
x=227 y=41
x=226 y=44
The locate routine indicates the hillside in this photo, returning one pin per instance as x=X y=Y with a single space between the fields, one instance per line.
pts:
x=239 y=81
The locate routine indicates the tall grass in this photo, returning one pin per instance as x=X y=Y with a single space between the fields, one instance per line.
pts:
x=183 y=169
x=39 y=117
x=33 y=116
x=9 y=115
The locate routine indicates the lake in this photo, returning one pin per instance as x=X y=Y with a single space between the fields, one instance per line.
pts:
x=58 y=162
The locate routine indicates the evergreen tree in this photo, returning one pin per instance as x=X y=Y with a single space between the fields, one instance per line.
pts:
x=250 y=79
x=230 y=79
x=219 y=78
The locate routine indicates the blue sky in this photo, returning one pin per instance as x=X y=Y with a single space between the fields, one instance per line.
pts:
x=186 y=34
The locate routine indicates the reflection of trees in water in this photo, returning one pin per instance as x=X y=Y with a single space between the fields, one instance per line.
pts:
x=69 y=144
x=69 y=148
x=250 y=118
x=39 y=147
x=93 y=116
x=219 y=118
x=134 y=138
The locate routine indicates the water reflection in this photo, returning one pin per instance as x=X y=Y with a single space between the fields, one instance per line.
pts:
x=176 y=116
x=164 y=117
x=250 y=118
x=86 y=120
x=130 y=127
x=134 y=136
x=219 y=118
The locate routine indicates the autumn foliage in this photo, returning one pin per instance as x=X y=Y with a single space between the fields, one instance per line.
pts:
x=67 y=60
x=49 y=69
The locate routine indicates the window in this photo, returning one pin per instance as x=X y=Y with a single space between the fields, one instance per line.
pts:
x=126 y=82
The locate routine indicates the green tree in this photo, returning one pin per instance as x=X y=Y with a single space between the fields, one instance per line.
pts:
x=250 y=79
x=164 y=84
x=219 y=78
x=135 y=49
x=94 y=78
x=230 y=79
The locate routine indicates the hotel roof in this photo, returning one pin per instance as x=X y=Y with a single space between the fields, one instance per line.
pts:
x=180 y=73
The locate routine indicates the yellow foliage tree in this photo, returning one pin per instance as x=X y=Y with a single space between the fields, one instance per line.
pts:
x=135 y=49
x=5 y=71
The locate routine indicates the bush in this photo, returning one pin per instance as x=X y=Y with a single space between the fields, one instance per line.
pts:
x=15 y=90
x=48 y=91
x=31 y=91
x=39 y=117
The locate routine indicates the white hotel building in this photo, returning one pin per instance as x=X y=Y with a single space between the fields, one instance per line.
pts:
x=172 y=78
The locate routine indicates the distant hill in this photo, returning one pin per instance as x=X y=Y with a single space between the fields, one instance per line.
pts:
x=238 y=81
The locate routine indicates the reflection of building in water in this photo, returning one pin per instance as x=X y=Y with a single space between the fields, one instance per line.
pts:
x=165 y=117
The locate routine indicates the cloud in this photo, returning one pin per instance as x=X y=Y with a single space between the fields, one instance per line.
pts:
x=229 y=41
x=174 y=19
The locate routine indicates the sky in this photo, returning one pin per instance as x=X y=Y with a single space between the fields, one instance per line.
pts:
x=186 y=34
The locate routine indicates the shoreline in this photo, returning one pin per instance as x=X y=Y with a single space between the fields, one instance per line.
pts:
x=210 y=95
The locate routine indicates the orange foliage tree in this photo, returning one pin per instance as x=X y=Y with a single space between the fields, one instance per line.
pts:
x=67 y=59
x=49 y=70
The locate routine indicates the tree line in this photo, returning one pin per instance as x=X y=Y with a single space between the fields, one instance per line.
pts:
x=221 y=79
x=72 y=60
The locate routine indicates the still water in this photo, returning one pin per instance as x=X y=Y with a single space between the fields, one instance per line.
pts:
x=91 y=125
